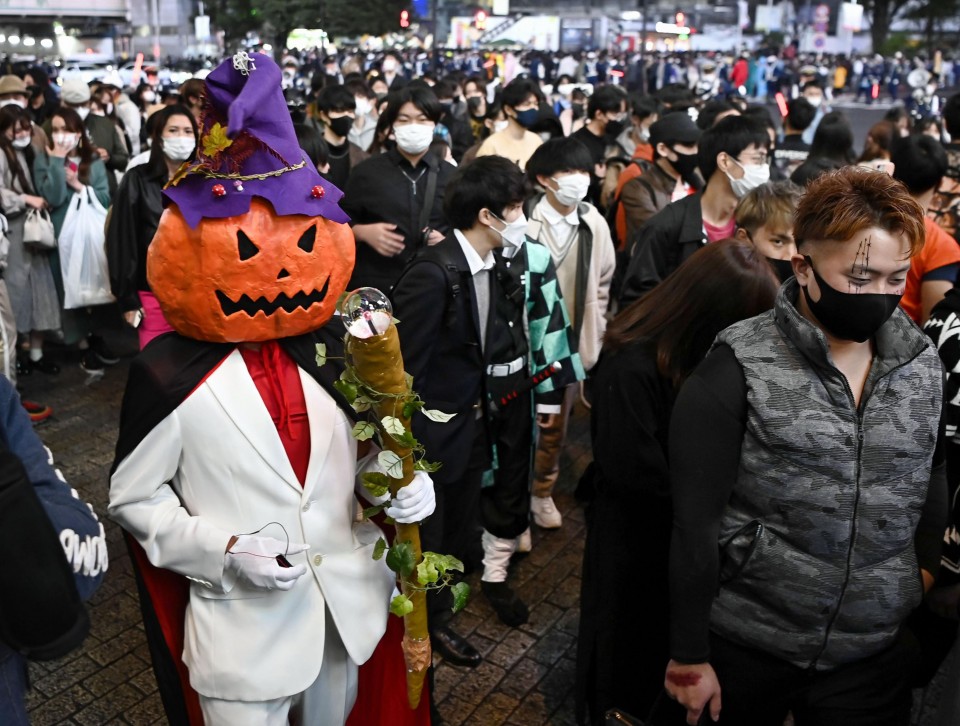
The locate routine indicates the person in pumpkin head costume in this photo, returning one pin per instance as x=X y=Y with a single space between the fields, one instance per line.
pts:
x=235 y=466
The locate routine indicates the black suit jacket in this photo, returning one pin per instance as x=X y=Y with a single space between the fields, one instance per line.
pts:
x=434 y=300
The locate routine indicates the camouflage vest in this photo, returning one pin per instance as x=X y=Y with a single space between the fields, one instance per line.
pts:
x=818 y=565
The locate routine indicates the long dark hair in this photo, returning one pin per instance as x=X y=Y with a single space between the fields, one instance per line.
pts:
x=833 y=139
x=721 y=284
x=15 y=117
x=157 y=165
x=74 y=125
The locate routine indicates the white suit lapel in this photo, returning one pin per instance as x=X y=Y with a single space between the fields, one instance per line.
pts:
x=321 y=412
x=236 y=392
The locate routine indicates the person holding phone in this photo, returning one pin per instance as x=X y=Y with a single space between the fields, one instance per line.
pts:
x=67 y=167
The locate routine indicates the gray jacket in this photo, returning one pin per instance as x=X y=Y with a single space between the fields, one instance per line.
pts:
x=824 y=573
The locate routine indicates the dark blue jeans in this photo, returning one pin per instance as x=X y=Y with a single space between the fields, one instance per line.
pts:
x=13 y=688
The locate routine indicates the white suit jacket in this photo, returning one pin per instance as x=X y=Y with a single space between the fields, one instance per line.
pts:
x=216 y=467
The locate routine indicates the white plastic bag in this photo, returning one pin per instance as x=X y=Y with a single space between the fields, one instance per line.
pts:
x=83 y=255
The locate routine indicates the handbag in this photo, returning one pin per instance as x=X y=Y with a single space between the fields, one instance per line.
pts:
x=83 y=255
x=38 y=232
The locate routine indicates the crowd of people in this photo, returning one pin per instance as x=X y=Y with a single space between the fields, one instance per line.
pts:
x=749 y=309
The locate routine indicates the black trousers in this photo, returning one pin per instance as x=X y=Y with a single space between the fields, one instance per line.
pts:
x=505 y=506
x=759 y=690
x=453 y=528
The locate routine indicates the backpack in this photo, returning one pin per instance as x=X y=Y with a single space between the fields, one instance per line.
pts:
x=615 y=216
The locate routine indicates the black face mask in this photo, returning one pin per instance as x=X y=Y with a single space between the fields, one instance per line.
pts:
x=341 y=125
x=850 y=316
x=783 y=268
x=473 y=103
x=686 y=164
x=614 y=128
x=579 y=110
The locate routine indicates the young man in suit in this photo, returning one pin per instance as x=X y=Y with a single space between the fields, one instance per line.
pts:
x=446 y=300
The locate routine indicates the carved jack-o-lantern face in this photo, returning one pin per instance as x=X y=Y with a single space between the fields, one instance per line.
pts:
x=249 y=278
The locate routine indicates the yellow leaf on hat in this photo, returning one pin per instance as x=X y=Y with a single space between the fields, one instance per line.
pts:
x=216 y=140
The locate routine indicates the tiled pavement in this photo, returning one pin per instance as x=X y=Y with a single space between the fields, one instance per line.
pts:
x=527 y=674
x=526 y=677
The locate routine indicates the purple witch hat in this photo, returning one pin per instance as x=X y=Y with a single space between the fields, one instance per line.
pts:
x=248 y=149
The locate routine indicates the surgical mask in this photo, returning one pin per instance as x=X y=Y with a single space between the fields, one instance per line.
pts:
x=83 y=112
x=389 y=65
x=21 y=143
x=571 y=189
x=816 y=101
x=363 y=106
x=754 y=175
x=12 y=102
x=413 y=138
x=341 y=125
x=850 y=316
x=686 y=164
x=783 y=268
x=528 y=118
x=108 y=109
x=614 y=128
x=179 y=148
x=149 y=96
x=513 y=235
x=499 y=126
x=644 y=134
x=68 y=140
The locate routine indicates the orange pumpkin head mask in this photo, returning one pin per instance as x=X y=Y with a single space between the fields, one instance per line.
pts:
x=249 y=278
x=253 y=245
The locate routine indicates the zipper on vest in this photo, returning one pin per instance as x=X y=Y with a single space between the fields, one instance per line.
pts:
x=853 y=528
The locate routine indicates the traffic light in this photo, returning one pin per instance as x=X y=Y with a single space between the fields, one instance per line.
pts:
x=480 y=20
x=404 y=18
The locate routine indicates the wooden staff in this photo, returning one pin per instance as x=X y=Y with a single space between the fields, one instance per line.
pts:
x=378 y=364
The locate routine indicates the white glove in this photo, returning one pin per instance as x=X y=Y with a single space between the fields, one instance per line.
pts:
x=254 y=560
x=414 y=502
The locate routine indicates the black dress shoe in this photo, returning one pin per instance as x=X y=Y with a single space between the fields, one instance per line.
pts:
x=508 y=606
x=45 y=365
x=23 y=366
x=453 y=648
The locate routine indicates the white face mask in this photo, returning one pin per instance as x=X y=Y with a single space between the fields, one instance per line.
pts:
x=499 y=126
x=363 y=106
x=13 y=102
x=21 y=142
x=66 y=139
x=389 y=65
x=816 y=101
x=108 y=109
x=413 y=138
x=83 y=112
x=513 y=235
x=179 y=148
x=572 y=188
x=644 y=134
x=148 y=96
x=754 y=175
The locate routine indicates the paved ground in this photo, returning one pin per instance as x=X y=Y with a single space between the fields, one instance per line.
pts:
x=527 y=673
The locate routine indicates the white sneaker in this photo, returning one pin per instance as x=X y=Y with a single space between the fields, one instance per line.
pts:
x=545 y=512
x=525 y=541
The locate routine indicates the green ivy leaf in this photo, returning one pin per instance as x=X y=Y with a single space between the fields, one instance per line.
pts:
x=393 y=426
x=362 y=404
x=437 y=416
x=461 y=593
x=424 y=465
x=411 y=407
x=375 y=482
x=427 y=573
x=363 y=430
x=379 y=548
x=321 y=354
x=347 y=390
x=401 y=605
x=391 y=463
x=400 y=559
x=374 y=511
x=408 y=440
